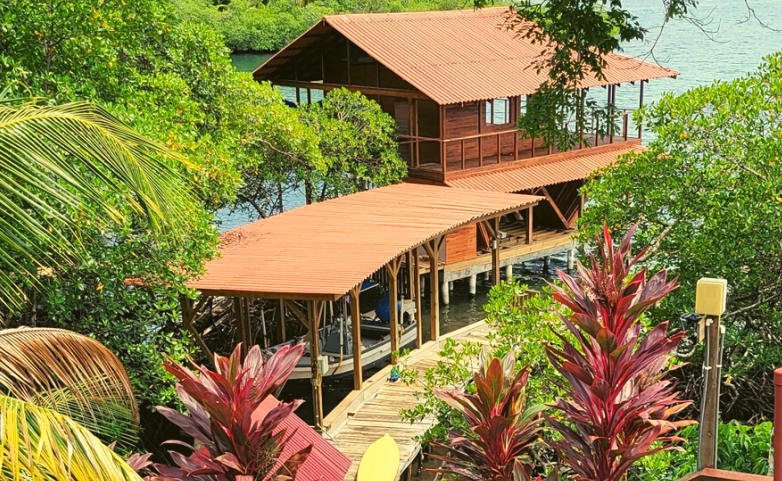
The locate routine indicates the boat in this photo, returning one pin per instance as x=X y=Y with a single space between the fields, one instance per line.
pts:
x=380 y=461
x=336 y=341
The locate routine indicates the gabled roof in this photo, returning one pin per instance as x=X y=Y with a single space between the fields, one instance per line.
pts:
x=574 y=167
x=324 y=463
x=462 y=55
x=321 y=251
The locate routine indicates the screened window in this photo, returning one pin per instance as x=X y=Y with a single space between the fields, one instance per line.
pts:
x=498 y=111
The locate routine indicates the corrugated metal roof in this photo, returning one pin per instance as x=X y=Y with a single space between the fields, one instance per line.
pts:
x=325 y=249
x=465 y=55
x=324 y=463
x=577 y=166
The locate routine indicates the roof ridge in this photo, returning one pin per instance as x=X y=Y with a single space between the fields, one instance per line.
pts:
x=426 y=14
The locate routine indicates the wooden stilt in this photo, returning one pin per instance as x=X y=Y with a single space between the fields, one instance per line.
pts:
x=433 y=249
x=419 y=338
x=188 y=315
x=240 y=314
x=393 y=297
x=495 y=252
x=355 y=317
x=314 y=311
x=529 y=225
x=281 y=321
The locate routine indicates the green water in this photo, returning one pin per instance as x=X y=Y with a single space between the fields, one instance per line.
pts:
x=247 y=62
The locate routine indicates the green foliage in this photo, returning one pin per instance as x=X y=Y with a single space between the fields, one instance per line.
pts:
x=521 y=323
x=707 y=198
x=357 y=141
x=742 y=448
x=252 y=25
x=574 y=36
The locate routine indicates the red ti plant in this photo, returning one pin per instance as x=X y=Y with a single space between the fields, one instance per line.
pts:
x=620 y=401
x=234 y=431
x=501 y=430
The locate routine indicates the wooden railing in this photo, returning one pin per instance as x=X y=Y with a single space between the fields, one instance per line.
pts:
x=496 y=151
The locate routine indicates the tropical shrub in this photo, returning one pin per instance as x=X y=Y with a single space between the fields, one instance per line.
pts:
x=233 y=420
x=741 y=448
x=521 y=323
x=704 y=202
x=619 y=403
x=499 y=431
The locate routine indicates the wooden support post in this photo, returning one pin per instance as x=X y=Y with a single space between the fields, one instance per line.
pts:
x=239 y=313
x=443 y=150
x=463 y=156
x=355 y=318
x=314 y=311
x=281 y=321
x=707 y=443
x=625 y=125
x=419 y=336
x=347 y=50
x=515 y=146
x=433 y=249
x=641 y=104
x=495 y=252
x=393 y=298
x=529 y=225
x=188 y=316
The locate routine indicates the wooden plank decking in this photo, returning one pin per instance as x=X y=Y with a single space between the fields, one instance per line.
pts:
x=366 y=415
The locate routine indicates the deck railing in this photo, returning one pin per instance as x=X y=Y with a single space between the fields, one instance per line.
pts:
x=489 y=148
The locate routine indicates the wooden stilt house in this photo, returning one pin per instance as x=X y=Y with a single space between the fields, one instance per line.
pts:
x=456 y=82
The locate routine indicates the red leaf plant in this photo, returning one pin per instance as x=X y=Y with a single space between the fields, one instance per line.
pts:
x=501 y=431
x=620 y=401
x=234 y=436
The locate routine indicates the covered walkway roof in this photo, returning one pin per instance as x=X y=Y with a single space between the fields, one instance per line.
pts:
x=531 y=175
x=323 y=250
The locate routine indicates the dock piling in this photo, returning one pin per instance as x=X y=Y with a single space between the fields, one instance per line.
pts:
x=446 y=293
x=473 y=284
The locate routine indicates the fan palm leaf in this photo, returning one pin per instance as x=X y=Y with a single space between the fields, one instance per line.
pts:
x=61 y=165
x=71 y=374
x=38 y=444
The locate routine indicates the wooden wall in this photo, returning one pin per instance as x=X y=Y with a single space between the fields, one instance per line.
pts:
x=461 y=244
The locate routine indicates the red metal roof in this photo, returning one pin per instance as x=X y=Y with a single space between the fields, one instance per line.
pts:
x=466 y=55
x=324 y=463
x=321 y=251
x=574 y=167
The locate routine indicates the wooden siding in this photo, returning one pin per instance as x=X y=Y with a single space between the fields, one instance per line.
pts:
x=461 y=244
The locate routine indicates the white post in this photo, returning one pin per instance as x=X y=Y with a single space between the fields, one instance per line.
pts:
x=509 y=272
x=473 y=284
x=450 y=285
x=445 y=292
x=571 y=259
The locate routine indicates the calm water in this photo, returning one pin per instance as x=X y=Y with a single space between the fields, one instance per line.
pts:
x=734 y=46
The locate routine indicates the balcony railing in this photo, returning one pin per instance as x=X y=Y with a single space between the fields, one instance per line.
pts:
x=492 y=148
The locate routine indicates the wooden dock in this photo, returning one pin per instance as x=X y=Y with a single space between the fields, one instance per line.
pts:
x=366 y=415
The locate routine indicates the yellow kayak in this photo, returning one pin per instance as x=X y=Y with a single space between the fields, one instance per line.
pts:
x=380 y=461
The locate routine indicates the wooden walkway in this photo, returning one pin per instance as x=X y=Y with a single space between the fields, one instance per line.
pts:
x=366 y=415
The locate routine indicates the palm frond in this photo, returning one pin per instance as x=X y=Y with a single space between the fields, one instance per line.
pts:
x=71 y=374
x=38 y=444
x=57 y=159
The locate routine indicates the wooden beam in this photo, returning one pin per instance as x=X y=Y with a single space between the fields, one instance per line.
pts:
x=407 y=94
x=188 y=315
x=433 y=249
x=314 y=311
x=393 y=298
x=281 y=321
x=529 y=225
x=556 y=207
x=301 y=316
x=355 y=317
x=640 y=105
x=241 y=321
x=419 y=325
x=495 y=252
